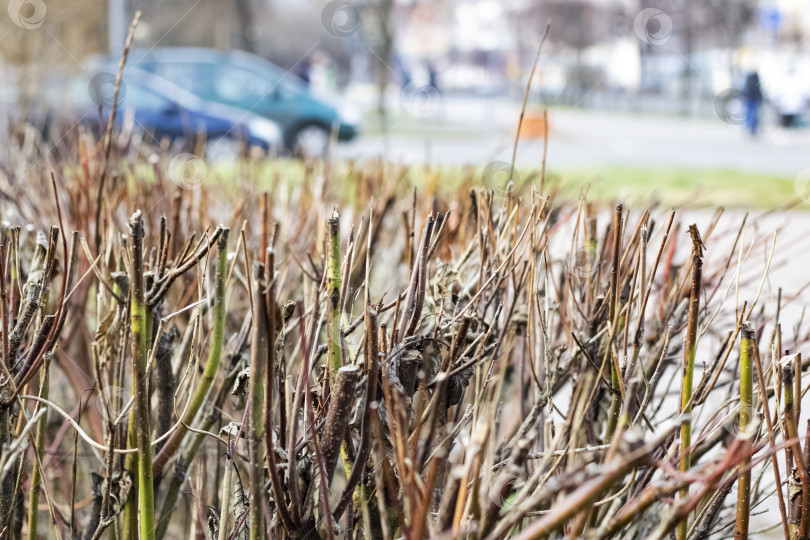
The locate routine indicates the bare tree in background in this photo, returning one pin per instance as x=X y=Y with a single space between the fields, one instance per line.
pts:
x=51 y=46
x=698 y=26
x=377 y=34
x=245 y=19
x=578 y=25
x=574 y=27
x=386 y=49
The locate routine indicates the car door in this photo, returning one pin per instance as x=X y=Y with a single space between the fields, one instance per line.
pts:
x=159 y=114
x=153 y=112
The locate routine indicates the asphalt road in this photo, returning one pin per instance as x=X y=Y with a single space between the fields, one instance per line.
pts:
x=476 y=132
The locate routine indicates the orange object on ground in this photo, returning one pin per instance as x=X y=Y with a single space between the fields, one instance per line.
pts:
x=534 y=126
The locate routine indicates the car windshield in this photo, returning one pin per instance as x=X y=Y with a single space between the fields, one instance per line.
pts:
x=235 y=80
x=237 y=84
x=195 y=77
x=287 y=80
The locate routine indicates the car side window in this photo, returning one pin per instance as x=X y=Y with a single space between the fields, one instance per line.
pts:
x=241 y=86
x=145 y=99
x=196 y=77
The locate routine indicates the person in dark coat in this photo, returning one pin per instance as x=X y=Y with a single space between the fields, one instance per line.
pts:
x=303 y=69
x=433 y=79
x=753 y=101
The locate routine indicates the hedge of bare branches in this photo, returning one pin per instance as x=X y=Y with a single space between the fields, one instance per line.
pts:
x=342 y=355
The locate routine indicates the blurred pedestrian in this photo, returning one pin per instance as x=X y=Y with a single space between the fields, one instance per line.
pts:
x=303 y=68
x=322 y=72
x=753 y=101
x=433 y=78
x=402 y=68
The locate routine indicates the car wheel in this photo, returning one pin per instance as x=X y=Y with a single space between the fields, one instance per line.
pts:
x=311 y=140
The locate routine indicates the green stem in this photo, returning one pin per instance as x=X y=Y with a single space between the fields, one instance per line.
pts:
x=211 y=365
x=800 y=525
x=140 y=352
x=227 y=492
x=616 y=398
x=335 y=347
x=130 y=528
x=36 y=475
x=689 y=365
x=258 y=367
x=791 y=429
x=746 y=411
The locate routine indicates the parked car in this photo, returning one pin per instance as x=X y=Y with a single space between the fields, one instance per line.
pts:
x=163 y=109
x=251 y=83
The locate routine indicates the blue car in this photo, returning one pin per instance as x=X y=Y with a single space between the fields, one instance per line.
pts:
x=164 y=110
x=251 y=83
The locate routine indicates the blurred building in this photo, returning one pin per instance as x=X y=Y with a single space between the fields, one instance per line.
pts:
x=673 y=55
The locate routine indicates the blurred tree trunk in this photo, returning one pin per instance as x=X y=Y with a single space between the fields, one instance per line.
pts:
x=245 y=20
x=688 y=74
x=386 y=50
